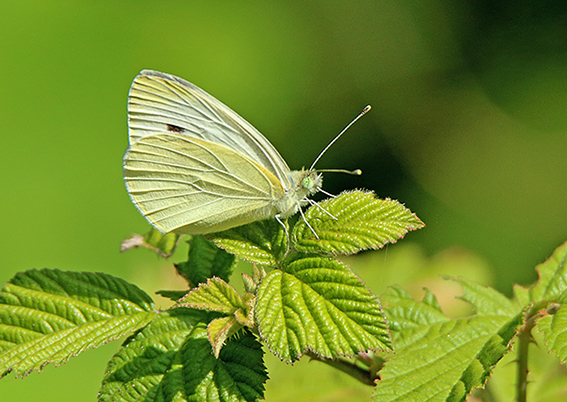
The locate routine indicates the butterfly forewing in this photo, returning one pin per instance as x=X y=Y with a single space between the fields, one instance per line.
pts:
x=160 y=102
x=190 y=185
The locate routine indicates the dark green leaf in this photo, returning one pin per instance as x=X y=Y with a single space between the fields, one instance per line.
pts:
x=205 y=260
x=171 y=360
x=263 y=242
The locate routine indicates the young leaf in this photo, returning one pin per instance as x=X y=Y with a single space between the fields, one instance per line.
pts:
x=47 y=316
x=251 y=282
x=205 y=260
x=219 y=330
x=263 y=242
x=171 y=360
x=452 y=357
x=162 y=244
x=318 y=304
x=362 y=222
x=215 y=295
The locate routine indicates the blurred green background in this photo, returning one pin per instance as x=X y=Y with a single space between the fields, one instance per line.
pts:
x=467 y=129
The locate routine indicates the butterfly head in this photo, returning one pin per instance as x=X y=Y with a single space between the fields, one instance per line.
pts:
x=311 y=182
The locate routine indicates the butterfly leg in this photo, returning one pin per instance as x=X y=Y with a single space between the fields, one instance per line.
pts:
x=307 y=223
x=285 y=228
x=311 y=202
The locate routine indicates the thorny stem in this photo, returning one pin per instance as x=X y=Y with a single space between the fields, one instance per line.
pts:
x=524 y=339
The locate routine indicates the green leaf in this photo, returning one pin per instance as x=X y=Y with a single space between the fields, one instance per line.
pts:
x=171 y=360
x=205 y=260
x=445 y=359
x=162 y=244
x=410 y=321
x=548 y=297
x=47 y=316
x=362 y=222
x=552 y=273
x=215 y=295
x=318 y=304
x=554 y=327
x=263 y=242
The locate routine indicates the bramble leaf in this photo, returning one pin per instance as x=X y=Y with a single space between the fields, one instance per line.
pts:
x=362 y=222
x=171 y=360
x=552 y=273
x=317 y=304
x=204 y=261
x=263 y=242
x=48 y=316
x=551 y=291
x=442 y=359
x=215 y=295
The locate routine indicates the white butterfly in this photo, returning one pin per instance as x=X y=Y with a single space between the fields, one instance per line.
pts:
x=194 y=166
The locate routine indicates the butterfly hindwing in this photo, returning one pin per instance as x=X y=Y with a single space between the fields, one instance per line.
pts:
x=190 y=185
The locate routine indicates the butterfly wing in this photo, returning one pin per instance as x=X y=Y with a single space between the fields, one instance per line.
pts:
x=160 y=102
x=193 y=186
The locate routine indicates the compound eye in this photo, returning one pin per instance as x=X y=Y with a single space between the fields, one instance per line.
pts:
x=307 y=183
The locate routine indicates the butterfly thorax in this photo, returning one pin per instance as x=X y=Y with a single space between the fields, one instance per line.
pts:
x=303 y=184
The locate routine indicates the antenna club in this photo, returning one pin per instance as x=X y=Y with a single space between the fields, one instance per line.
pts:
x=357 y=172
x=366 y=109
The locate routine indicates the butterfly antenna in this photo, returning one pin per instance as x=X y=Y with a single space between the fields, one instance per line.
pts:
x=366 y=109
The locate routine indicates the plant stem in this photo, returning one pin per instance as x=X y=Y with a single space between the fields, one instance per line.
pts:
x=522 y=364
x=358 y=373
x=524 y=340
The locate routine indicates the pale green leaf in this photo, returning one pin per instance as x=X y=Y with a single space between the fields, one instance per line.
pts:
x=444 y=360
x=48 y=316
x=263 y=242
x=172 y=360
x=318 y=304
x=409 y=320
x=522 y=295
x=219 y=330
x=205 y=260
x=554 y=327
x=362 y=222
x=486 y=300
x=552 y=273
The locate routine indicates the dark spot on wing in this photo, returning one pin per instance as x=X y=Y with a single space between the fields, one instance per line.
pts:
x=174 y=128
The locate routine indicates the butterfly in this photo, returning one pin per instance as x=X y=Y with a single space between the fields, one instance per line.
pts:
x=194 y=166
